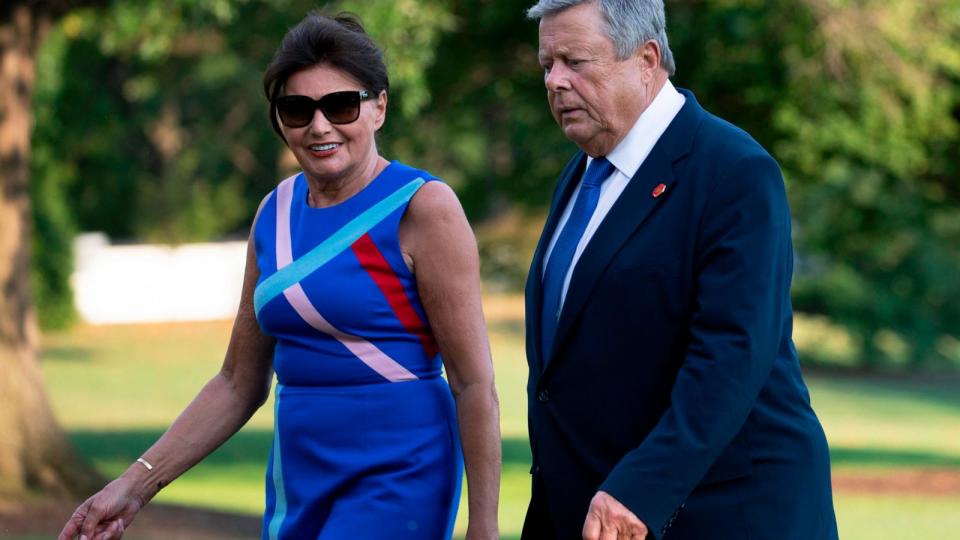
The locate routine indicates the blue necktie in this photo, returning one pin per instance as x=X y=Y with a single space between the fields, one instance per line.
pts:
x=563 y=250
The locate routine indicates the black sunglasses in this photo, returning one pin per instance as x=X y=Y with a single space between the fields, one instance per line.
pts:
x=337 y=107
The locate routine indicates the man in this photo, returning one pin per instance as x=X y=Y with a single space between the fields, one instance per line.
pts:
x=665 y=395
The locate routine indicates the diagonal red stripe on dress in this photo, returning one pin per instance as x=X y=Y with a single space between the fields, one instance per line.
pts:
x=383 y=275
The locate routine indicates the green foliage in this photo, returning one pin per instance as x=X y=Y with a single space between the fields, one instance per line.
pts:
x=53 y=224
x=407 y=31
x=487 y=130
x=870 y=141
x=178 y=151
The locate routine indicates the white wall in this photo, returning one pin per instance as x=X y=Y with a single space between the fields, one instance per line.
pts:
x=156 y=283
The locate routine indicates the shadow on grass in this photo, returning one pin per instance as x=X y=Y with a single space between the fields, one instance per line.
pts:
x=513 y=327
x=66 y=354
x=252 y=446
x=516 y=451
x=941 y=390
x=249 y=446
x=891 y=457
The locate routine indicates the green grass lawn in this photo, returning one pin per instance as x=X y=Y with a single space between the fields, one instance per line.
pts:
x=116 y=388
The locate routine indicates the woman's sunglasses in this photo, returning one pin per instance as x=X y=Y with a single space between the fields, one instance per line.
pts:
x=337 y=107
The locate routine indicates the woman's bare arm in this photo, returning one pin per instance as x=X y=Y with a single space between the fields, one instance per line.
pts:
x=439 y=244
x=221 y=408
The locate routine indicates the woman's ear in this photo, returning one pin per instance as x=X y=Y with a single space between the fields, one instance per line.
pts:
x=381 y=109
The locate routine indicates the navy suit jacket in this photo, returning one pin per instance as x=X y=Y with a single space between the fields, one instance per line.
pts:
x=673 y=383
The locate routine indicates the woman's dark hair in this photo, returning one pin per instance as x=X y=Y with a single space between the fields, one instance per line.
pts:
x=339 y=41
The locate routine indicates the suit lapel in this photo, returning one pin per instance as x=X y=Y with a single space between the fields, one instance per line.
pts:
x=534 y=288
x=627 y=215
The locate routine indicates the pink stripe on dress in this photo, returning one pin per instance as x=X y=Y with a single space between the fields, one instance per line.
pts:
x=284 y=201
x=367 y=352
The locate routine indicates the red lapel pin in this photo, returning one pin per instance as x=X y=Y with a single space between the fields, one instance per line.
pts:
x=658 y=191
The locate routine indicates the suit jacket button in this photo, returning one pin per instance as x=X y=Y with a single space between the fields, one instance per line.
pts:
x=543 y=396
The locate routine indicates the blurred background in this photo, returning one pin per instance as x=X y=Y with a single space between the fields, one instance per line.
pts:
x=135 y=148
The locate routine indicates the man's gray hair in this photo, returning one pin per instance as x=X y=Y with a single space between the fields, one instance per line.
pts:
x=630 y=24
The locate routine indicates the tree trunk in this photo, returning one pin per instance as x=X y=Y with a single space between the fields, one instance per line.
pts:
x=35 y=455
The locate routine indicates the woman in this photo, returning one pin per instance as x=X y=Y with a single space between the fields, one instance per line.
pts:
x=362 y=276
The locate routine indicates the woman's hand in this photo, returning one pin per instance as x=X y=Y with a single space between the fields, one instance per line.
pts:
x=105 y=515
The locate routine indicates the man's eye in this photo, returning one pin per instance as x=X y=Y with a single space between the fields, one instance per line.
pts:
x=574 y=63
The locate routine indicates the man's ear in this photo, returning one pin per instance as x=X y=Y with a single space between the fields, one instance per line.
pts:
x=648 y=58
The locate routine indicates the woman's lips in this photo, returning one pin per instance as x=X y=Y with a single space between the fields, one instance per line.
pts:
x=323 y=150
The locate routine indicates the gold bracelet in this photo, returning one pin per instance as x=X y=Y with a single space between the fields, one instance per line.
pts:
x=145 y=463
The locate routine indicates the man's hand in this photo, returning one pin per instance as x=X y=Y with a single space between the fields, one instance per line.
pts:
x=607 y=519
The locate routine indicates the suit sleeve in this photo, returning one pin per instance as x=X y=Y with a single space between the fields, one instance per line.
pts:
x=743 y=268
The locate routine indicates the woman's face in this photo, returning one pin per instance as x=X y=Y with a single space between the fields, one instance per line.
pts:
x=333 y=152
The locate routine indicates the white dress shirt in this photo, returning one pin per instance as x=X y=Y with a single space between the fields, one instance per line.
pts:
x=626 y=159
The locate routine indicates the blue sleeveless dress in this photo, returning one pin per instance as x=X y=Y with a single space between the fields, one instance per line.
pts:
x=365 y=433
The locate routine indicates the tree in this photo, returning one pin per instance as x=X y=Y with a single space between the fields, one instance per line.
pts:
x=34 y=452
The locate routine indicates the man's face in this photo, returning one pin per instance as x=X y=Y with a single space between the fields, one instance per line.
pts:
x=593 y=96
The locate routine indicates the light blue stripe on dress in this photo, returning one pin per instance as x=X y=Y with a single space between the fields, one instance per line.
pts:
x=339 y=241
x=280 y=508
